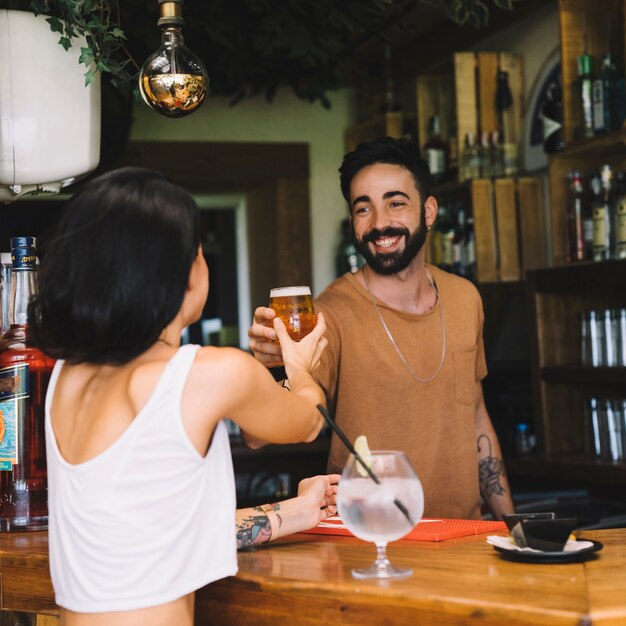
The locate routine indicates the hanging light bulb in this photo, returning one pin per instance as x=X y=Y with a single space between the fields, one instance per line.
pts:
x=173 y=81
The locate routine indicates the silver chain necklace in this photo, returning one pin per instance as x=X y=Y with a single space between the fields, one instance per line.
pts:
x=395 y=345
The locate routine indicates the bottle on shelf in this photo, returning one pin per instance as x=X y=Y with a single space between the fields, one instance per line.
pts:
x=453 y=150
x=504 y=107
x=471 y=158
x=552 y=118
x=620 y=216
x=24 y=374
x=347 y=258
x=390 y=103
x=470 y=250
x=496 y=150
x=5 y=290
x=523 y=440
x=459 y=242
x=444 y=233
x=603 y=217
x=486 y=170
x=586 y=78
x=435 y=151
x=600 y=103
x=618 y=101
x=595 y=189
x=575 y=211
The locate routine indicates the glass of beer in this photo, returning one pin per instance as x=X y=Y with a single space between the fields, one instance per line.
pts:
x=294 y=306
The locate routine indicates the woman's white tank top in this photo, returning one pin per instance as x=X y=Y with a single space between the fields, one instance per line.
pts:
x=149 y=519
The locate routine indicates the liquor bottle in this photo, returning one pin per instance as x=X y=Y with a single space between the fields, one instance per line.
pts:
x=453 y=150
x=435 y=151
x=608 y=90
x=575 y=232
x=5 y=290
x=585 y=78
x=347 y=258
x=620 y=218
x=618 y=104
x=442 y=239
x=497 y=154
x=471 y=158
x=470 y=251
x=504 y=106
x=595 y=199
x=459 y=243
x=486 y=170
x=552 y=118
x=24 y=375
x=599 y=104
x=603 y=218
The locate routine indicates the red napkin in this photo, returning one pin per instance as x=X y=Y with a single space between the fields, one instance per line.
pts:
x=427 y=530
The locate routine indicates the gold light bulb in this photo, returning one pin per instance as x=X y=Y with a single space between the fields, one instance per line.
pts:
x=173 y=81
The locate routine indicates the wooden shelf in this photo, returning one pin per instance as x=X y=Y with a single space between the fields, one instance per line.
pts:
x=600 y=147
x=575 y=468
x=579 y=277
x=581 y=375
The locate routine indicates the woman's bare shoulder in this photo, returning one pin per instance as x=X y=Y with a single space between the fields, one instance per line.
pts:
x=226 y=365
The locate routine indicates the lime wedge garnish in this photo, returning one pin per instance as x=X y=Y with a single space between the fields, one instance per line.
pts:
x=363 y=450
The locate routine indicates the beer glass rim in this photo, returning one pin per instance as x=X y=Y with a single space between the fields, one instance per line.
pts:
x=297 y=290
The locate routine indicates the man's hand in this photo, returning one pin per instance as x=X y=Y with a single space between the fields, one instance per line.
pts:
x=263 y=339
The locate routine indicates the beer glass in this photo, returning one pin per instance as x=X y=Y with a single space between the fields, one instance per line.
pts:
x=294 y=306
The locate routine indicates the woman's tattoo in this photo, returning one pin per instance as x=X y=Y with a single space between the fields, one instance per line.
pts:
x=490 y=469
x=253 y=531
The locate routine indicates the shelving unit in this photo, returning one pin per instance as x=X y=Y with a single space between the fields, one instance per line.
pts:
x=557 y=299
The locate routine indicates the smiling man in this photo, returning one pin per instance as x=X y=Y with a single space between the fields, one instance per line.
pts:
x=405 y=357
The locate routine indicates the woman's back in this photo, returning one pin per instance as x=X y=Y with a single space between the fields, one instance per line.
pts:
x=138 y=516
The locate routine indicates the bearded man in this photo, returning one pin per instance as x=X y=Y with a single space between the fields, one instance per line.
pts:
x=405 y=355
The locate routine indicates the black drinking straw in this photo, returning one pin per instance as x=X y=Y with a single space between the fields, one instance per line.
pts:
x=346 y=442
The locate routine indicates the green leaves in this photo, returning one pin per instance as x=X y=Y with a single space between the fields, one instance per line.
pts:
x=250 y=47
x=92 y=19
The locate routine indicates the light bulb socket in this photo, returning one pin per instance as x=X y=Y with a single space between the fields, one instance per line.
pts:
x=171 y=12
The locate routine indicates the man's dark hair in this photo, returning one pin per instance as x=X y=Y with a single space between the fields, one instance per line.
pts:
x=402 y=152
x=115 y=272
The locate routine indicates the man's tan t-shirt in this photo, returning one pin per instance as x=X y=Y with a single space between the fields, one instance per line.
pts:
x=370 y=391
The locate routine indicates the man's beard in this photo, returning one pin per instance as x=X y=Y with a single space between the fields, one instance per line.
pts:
x=392 y=262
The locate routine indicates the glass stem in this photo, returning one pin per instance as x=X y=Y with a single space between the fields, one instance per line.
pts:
x=382 y=562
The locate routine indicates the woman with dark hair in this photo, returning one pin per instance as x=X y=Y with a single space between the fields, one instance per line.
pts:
x=141 y=485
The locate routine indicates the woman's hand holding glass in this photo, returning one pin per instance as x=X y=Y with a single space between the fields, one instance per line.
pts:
x=303 y=354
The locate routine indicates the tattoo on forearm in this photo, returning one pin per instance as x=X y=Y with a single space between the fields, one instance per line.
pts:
x=490 y=470
x=266 y=508
x=253 y=531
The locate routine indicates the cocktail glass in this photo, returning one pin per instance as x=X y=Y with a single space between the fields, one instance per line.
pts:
x=380 y=512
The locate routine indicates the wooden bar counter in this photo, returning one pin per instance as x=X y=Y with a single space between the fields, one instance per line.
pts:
x=305 y=580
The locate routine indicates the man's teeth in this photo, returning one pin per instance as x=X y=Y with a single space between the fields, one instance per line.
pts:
x=387 y=242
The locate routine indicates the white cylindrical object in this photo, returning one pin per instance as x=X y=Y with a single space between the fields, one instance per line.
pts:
x=49 y=120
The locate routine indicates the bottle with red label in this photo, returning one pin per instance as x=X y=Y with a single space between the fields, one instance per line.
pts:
x=24 y=374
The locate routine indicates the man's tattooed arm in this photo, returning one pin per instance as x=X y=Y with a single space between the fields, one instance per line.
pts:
x=490 y=469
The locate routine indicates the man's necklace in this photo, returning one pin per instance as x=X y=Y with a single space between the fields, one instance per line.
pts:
x=395 y=345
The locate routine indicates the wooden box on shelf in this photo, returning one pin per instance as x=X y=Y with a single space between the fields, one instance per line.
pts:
x=508 y=223
x=475 y=83
x=383 y=125
x=592 y=27
x=562 y=386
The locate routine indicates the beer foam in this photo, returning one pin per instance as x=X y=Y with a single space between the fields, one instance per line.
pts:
x=283 y=292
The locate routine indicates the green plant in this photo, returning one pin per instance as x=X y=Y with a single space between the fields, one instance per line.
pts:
x=99 y=22
x=249 y=46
